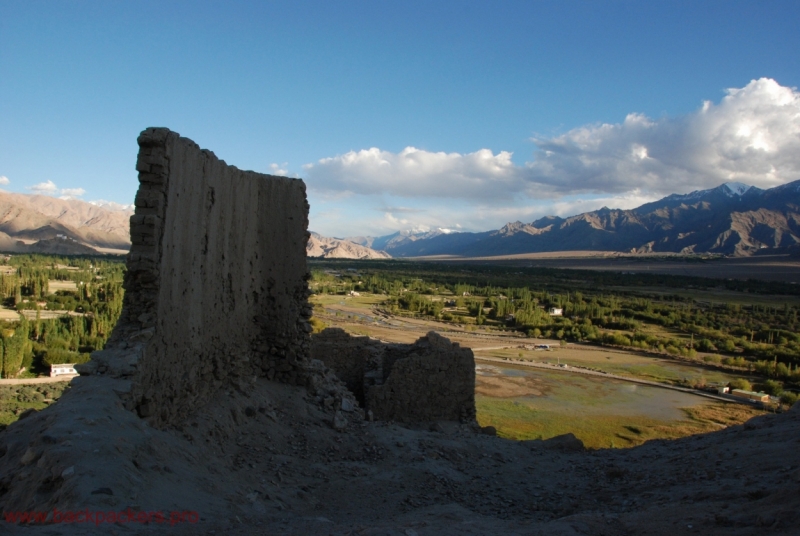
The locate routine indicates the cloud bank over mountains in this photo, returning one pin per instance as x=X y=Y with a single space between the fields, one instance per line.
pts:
x=751 y=136
x=418 y=173
x=50 y=188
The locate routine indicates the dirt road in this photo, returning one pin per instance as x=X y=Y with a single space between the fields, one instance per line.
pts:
x=31 y=381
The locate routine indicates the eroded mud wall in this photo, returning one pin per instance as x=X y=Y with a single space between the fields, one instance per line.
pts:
x=432 y=379
x=217 y=277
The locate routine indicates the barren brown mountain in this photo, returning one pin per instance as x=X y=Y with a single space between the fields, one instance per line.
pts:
x=28 y=219
x=732 y=219
x=336 y=248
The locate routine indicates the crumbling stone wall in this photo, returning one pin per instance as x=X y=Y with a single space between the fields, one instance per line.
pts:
x=216 y=288
x=349 y=357
x=432 y=379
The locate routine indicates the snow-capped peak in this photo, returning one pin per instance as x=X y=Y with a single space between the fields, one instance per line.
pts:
x=111 y=205
x=736 y=188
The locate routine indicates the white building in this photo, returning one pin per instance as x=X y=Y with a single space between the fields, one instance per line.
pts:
x=64 y=369
x=556 y=311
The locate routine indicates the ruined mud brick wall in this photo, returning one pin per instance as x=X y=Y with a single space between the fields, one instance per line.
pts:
x=432 y=379
x=217 y=278
x=347 y=356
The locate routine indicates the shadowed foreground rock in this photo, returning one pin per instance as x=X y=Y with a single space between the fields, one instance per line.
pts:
x=206 y=413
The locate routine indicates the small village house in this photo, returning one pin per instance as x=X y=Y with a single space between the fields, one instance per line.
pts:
x=750 y=395
x=63 y=369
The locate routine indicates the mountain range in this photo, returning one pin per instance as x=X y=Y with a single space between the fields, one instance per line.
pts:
x=44 y=224
x=731 y=219
x=335 y=248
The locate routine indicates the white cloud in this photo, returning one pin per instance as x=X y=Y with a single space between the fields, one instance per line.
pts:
x=4 y=180
x=418 y=173
x=72 y=192
x=751 y=136
x=44 y=188
x=279 y=169
x=570 y=207
x=50 y=188
x=113 y=205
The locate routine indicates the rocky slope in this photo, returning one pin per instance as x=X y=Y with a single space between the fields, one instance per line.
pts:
x=732 y=219
x=65 y=226
x=43 y=224
x=274 y=461
x=336 y=248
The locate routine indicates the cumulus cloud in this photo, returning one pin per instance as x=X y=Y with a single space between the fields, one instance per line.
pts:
x=751 y=136
x=570 y=207
x=279 y=169
x=4 y=180
x=50 y=188
x=418 y=173
x=72 y=192
x=44 y=188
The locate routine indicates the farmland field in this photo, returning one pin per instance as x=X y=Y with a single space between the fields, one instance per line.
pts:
x=620 y=362
x=528 y=404
x=535 y=404
x=767 y=267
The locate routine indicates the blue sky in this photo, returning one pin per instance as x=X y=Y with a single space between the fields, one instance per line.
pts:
x=408 y=115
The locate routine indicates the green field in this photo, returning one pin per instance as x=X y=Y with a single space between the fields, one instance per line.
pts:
x=601 y=413
x=521 y=422
x=622 y=363
x=662 y=329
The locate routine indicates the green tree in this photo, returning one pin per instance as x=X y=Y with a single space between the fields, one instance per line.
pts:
x=741 y=383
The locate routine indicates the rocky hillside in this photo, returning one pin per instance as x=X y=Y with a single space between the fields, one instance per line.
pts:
x=732 y=219
x=43 y=224
x=270 y=461
x=335 y=248
x=38 y=223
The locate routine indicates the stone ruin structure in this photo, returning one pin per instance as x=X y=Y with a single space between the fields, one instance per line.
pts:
x=216 y=288
x=216 y=295
x=432 y=379
x=216 y=299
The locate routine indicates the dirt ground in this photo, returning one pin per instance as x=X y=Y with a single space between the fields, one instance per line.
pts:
x=54 y=285
x=505 y=387
x=268 y=461
x=8 y=315
x=268 y=458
